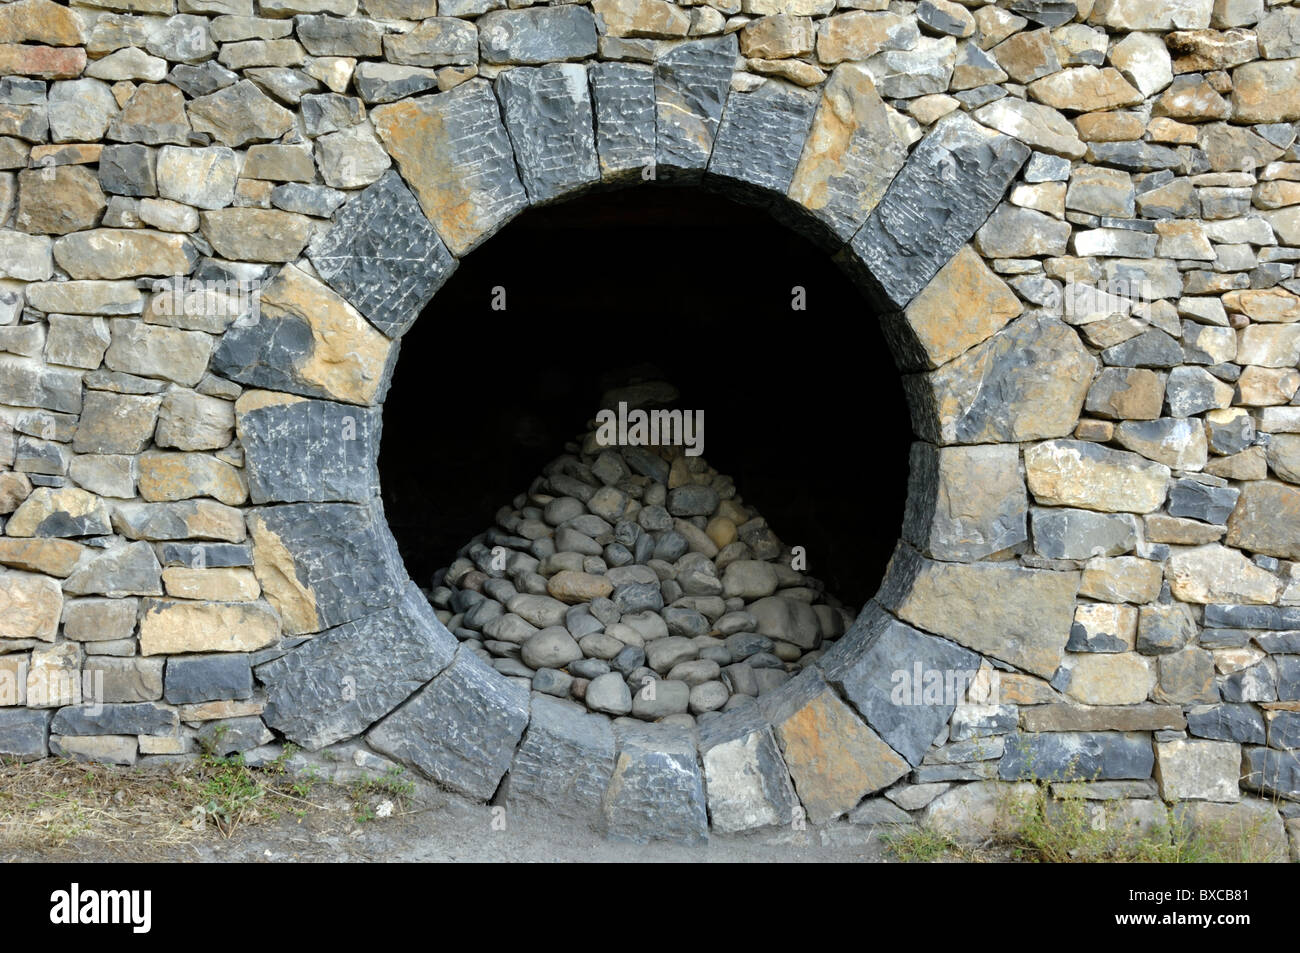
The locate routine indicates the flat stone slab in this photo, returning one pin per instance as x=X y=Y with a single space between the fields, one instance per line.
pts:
x=547 y=112
x=142 y=718
x=25 y=733
x=323 y=564
x=949 y=185
x=1077 y=755
x=623 y=104
x=657 y=788
x=384 y=256
x=537 y=35
x=564 y=762
x=903 y=682
x=453 y=151
x=298 y=450
x=761 y=138
x=461 y=729
x=748 y=784
x=691 y=84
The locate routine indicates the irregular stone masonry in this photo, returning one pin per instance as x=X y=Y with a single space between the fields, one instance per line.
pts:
x=1080 y=222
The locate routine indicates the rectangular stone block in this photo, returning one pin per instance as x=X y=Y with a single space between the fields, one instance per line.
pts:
x=547 y=112
x=298 y=450
x=168 y=627
x=24 y=733
x=143 y=718
x=383 y=256
x=537 y=35
x=657 y=788
x=461 y=729
x=748 y=784
x=623 y=106
x=205 y=678
x=1077 y=755
x=760 y=139
x=323 y=564
x=564 y=762
x=951 y=182
x=965 y=503
x=123 y=680
x=691 y=84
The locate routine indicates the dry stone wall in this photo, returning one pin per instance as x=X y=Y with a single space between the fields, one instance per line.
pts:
x=1080 y=221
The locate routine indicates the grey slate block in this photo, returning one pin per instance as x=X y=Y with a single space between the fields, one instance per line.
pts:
x=140 y=718
x=207 y=678
x=657 y=790
x=691 y=84
x=949 y=185
x=315 y=451
x=384 y=256
x=25 y=733
x=537 y=35
x=461 y=729
x=564 y=762
x=760 y=139
x=623 y=104
x=1077 y=755
x=547 y=112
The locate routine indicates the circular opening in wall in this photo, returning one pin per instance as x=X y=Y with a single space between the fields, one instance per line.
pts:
x=629 y=304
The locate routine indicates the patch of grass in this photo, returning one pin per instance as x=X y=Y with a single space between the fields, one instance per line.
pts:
x=369 y=794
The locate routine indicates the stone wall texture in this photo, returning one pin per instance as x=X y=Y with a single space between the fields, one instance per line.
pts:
x=1081 y=223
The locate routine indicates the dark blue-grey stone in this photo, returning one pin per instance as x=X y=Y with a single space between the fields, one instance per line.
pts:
x=657 y=788
x=1241 y=723
x=1081 y=534
x=318 y=200
x=537 y=35
x=1288 y=677
x=206 y=555
x=1079 y=755
x=1222 y=616
x=761 y=138
x=903 y=682
x=25 y=733
x=341 y=682
x=1273 y=771
x=564 y=762
x=947 y=188
x=140 y=718
x=1051 y=13
x=1196 y=500
x=310 y=451
x=343 y=553
x=645 y=463
x=1256 y=683
x=201 y=80
x=1284 y=730
x=691 y=84
x=623 y=101
x=1279 y=643
x=628 y=660
x=547 y=112
x=1083 y=640
x=461 y=729
x=384 y=256
x=692 y=500
x=637 y=597
x=1153 y=348
x=324 y=35
x=1134 y=156
x=231 y=735
x=127 y=170
x=207 y=678
x=670 y=545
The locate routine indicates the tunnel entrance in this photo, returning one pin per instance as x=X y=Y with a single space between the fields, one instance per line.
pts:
x=661 y=297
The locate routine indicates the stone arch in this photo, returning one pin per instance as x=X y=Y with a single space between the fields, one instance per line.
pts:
x=467 y=162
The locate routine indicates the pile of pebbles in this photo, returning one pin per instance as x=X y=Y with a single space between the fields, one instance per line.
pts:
x=635 y=580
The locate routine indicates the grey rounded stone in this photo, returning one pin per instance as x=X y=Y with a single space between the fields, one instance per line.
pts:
x=608 y=693
x=666 y=698
x=601 y=646
x=552 y=647
x=708 y=696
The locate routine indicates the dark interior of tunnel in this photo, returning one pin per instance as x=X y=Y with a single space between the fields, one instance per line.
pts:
x=803 y=408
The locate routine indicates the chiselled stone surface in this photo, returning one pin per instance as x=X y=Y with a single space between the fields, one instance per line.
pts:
x=24 y=733
x=623 y=105
x=383 y=256
x=308 y=341
x=834 y=758
x=455 y=154
x=948 y=186
x=547 y=112
x=656 y=790
x=298 y=450
x=1022 y=616
x=748 y=784
x=761 y=137
x=564 y=762
x=461 y=729
x=168 y=626
x=323 y=564
x=342 y=681
x=140 y=718
x=1027 y=382
x=903 y=682
x=851 y=154
x=691 y=83
x=965 y=503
